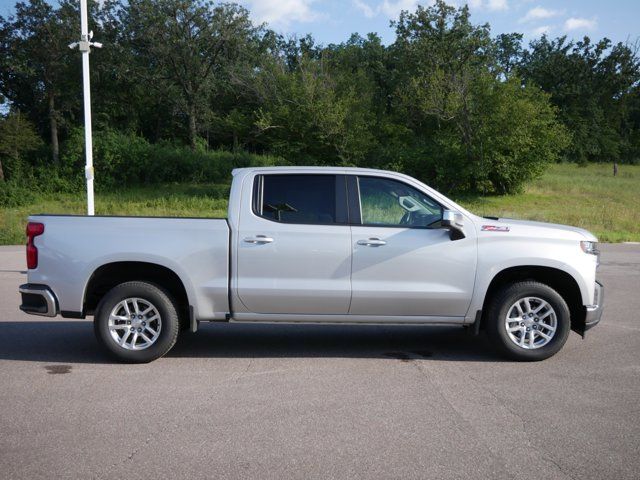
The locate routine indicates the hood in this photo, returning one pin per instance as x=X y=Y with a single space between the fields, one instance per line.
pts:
x=539 y=229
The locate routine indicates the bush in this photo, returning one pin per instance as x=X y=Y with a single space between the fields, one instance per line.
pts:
x=15 y=195
x=121 y=160
x=27 y=181
x=127 y=159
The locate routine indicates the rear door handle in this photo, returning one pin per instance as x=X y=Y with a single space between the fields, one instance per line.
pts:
x=259 y=239
x=372 y=242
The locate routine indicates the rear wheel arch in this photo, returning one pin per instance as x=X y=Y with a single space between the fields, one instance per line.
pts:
x=137 y=322
x=109 y=275
x=561 y=281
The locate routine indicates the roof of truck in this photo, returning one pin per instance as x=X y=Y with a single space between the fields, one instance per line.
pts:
x=236 y=171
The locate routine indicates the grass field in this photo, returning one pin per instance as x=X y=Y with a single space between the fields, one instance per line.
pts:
x=588 y=197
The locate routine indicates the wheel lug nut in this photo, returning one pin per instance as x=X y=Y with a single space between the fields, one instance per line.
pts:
x=536 y=319
x=132 y=329
x=528 y=329
x=535 y=327
x=522 y=324
x=139 y=329
x=531 y=314
x=524 y=317
x=128 y=322
x=144 y=324
x=140 y=317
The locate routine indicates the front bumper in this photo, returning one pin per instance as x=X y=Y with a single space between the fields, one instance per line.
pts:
x=38 y=300
x=594 y=312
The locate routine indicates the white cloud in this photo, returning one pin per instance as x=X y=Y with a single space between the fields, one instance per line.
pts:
x=541 y=30
x=281 y=13
x=495 y=5
x=491 y=5
x=389 y=8
x=575 y=23
x=392 y=9
x=365 y=8
x=539 y=13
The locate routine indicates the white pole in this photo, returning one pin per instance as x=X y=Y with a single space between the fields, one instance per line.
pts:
x=88 y=141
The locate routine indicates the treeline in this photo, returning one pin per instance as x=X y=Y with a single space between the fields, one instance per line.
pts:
x=446 y=101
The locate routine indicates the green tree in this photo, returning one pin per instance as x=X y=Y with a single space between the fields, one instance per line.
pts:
x=508 y=53
x=519 y=134
x=442 y=54
x=477 y=126
x=17 y=138
x=36 y=70
x=589 y=83
x=190 y=45
x=307 y=117
x=630 y=126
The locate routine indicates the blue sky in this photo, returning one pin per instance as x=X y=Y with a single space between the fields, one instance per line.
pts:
x=332 y=21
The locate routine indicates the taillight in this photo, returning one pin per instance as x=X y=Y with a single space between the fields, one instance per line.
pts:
x=33 y=230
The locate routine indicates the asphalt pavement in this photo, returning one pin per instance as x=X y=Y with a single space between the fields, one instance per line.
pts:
x=305 y=402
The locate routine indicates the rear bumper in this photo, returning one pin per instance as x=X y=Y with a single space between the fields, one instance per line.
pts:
x=594 y=312
x=38 y=300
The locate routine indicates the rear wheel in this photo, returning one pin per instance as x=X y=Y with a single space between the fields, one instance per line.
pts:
x=137 y=322
x=528 y=321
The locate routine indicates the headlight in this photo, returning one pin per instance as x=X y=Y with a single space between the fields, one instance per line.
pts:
x=590 y=247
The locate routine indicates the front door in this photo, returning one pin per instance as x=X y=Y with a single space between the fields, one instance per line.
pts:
x=294 y=246
x=403 y=263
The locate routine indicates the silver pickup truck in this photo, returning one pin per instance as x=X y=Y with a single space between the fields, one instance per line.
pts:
x=316 y=245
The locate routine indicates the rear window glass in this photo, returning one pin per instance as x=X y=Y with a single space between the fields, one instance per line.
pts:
x=298 y=198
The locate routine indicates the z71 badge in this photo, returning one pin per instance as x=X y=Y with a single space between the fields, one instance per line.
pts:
x=495 y=228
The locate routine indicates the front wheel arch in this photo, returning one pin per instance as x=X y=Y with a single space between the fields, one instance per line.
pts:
x=559 y=280
x=500 y=322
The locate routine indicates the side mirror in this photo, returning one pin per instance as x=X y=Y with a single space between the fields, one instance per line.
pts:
x=454 y=222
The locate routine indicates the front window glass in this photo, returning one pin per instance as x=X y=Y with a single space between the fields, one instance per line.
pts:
x=391 y=203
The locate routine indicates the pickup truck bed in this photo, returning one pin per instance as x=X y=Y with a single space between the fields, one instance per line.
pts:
x=76 y=246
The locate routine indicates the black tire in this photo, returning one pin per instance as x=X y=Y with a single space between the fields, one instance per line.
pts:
x=163 y=303
x=499 y=308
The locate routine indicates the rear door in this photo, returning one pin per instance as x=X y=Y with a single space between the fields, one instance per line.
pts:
x=403 y=263
x=294 y=246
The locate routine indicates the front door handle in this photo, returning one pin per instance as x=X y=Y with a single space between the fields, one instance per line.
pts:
x=372 y=242
x=259 y=239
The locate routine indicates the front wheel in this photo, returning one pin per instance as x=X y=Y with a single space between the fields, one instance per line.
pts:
x=137 y=322
x=528 y=321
